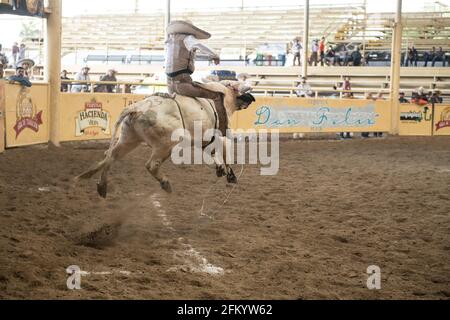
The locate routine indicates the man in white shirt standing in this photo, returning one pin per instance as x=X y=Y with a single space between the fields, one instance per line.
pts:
x=182 y=46
x=296 y=48
x=314 y=53
x=83 y=75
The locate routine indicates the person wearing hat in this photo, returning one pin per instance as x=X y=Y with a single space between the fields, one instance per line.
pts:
x=26 y=64
x=20 y=77
x=83 y=75
x=109 y=76
x=182 y=45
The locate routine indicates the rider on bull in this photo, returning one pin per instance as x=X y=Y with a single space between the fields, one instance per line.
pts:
x=182 y=45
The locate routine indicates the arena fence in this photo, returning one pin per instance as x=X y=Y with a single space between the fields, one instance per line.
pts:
x=25 y=117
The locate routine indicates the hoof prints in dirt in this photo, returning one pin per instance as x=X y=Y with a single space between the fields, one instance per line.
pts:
x=101 y=237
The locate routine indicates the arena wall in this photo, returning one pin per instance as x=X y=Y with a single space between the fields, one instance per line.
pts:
x=91 y=116
x=291 y=115
x=2 y=116
x=26 y=114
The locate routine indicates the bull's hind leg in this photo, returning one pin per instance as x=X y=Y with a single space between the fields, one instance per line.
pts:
x=154 y=164
x=120 y=150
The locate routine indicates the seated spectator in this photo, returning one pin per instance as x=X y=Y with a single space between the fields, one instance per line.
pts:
x=64 y=86
x=420 y=96
x=3 y=60
x=402 y=98
x=109 y=76
x=439 y=56
x=429 y=56
x=356 y=58
x=304 y=89
x=347 y=87
x=369 y=96
x=26 y=64
x=330 y=56
x=413 y=56
x=436 y=97
x=20 y=77
x=83 y=75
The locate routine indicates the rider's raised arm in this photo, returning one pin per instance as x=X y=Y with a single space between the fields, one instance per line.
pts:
x=192 y=43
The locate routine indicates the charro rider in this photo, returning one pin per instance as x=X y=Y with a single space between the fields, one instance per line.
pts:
x=182 y=45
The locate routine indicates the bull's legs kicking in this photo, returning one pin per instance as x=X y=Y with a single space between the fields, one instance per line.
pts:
x=154 y=164
x=222 y=167
x=127 y=142
x=120 y=150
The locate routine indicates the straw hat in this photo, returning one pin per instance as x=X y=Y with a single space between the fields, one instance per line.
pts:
x=186 y=27
x=30 y=62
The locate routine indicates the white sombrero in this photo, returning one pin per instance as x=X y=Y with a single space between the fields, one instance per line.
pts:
x=22 y=61
x=186 y=27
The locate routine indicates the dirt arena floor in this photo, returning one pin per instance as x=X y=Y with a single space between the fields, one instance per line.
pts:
x=310 y=232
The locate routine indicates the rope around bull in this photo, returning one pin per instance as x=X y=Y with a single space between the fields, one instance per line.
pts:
x=226 y=198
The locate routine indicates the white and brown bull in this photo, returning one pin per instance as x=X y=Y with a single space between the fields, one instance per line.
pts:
x=153 y=120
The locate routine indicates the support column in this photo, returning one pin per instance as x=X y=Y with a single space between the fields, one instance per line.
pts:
x=167 y=18
x=305 y=41
x=395 y=69
x=54 y=68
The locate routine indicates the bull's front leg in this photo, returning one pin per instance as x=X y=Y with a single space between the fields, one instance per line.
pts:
x=231 y=177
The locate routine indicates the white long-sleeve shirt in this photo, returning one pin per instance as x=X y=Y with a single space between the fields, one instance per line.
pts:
x=193 y=44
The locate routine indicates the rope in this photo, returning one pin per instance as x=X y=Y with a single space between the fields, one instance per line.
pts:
x=181 y=114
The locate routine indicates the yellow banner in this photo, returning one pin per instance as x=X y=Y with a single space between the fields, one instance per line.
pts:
x=415 y=120
x=314 y=115
x=26 y=112
x=2 y=116
x=87 y=116
x=441 y=125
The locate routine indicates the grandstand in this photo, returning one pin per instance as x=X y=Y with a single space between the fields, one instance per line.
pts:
x=251 y=27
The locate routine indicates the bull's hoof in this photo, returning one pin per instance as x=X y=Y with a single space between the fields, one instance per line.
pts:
x=220 y=171
x=102 y=190
x=165 y=185
x=231 y=177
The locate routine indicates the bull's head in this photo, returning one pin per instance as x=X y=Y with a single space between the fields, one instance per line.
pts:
x=242 y=93
x=244 y=100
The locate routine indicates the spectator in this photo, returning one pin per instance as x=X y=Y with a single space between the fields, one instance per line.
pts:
x=109 y=76
x=439 y=56
x=2 y=73
x=83 y=75
x=402 y=98
x=356 y=57
x=412 y=56
x=314 y=52
x=26 y=64
x=429 y=56
x=347 y=87
x=127 y=88
x=296 y=48
x=322 y=50
x=304 y=89
x=64 y=86
x=3 y=59
x=22 y=50
x=15 y=52
x=435 y=97
x=20 y=77
x=330 y=56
